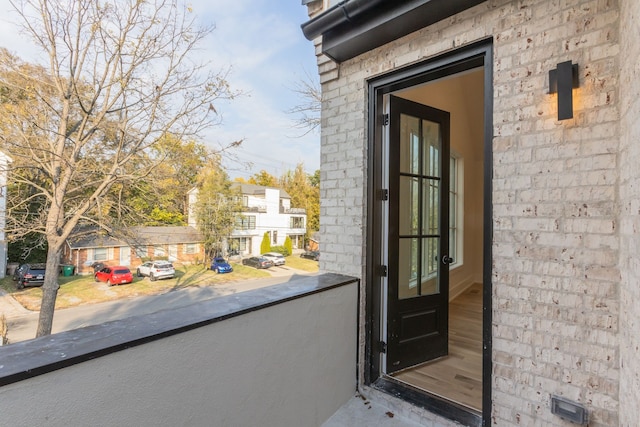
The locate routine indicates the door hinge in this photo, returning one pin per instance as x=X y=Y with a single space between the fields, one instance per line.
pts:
x=383 y=270
x=384 y=194
x=382 y=347
x=385 y=119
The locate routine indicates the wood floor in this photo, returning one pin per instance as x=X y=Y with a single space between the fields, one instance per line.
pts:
x=458 y=376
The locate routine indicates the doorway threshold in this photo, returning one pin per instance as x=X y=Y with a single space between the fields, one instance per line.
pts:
x=429 y=402
x=362 y=412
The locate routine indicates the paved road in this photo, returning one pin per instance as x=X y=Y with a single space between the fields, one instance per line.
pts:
x=22 y=323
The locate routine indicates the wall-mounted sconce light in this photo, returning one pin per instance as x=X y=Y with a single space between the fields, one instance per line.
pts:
x=562 y=81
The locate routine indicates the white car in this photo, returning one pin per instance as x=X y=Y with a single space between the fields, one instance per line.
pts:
x=156 y=270
x=276 y=258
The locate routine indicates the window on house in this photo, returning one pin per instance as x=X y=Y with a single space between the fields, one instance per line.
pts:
x=455 y=209
x=191 y=248
x=125 y=255
x=297 y=240
x=275 y=237
x=246 y=222
x=455 y=220
x=141 y=251
x=297 y=222
x=158 y=251
x=100 y=254
x=173 y=252
x=239 y=245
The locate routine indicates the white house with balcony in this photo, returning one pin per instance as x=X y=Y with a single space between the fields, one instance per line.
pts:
x=265 y=210
x=4 y=163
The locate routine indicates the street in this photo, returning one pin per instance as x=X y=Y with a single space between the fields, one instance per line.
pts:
x=22 y=327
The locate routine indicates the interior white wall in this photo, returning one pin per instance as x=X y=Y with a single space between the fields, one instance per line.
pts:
x=292 y=364
x=462 y=95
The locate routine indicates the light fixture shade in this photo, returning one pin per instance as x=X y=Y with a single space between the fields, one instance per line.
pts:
x=562 y=81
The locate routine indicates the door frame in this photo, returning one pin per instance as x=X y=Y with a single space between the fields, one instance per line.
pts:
x=477 y=55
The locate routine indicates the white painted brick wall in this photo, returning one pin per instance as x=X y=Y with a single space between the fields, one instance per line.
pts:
x=629 y=224
x=566 y=216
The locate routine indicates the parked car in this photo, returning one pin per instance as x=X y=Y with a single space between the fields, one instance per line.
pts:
x=220 y=265
x=118 y=275
x=275 y=257
x=97 y=266
x=257 y=262
x=314 y=255
x=29 y=275
x=156 y=270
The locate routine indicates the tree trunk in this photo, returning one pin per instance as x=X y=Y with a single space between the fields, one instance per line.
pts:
x=49 y=292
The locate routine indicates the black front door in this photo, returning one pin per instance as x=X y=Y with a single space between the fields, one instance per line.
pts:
x=418 y=234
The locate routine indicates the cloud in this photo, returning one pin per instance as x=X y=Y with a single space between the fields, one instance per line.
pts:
x=268 y=53
x=262 y=42
x=270 y=140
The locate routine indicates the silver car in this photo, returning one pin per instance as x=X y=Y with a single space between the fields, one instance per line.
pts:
x=276 y=258
x=156 y=270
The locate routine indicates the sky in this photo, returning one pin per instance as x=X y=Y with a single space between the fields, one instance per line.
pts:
x=262 y=42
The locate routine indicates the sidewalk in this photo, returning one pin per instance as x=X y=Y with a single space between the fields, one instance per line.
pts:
x=10 y=307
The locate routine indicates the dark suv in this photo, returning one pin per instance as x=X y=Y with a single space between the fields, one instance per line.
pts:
x=29 y=275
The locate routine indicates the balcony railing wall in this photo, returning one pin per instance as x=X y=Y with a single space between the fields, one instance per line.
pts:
x=272 y=357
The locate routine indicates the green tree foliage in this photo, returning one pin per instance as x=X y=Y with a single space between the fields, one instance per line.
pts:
x=29 y=248
x=314 y=179
x=159 y=198
x=119 y=79
x=217 y=207
x=281 y=249
x=265 y=245
x=305 y=193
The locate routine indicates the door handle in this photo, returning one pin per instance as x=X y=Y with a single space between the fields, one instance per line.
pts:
x=446 y=259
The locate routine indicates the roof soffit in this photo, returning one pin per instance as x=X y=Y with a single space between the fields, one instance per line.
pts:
x=356 y=26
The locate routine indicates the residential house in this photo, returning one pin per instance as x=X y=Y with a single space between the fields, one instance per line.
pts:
x=265 y=210
x=550 y=248
x=480 y=156
x=4 y=163
x=182 y=244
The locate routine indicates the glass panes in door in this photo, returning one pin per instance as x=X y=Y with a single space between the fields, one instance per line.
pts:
x=419 y=199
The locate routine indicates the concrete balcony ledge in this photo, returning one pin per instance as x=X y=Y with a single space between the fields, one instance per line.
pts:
x=280 y=355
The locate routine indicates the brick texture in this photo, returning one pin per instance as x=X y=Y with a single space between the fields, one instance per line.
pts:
x=566 y=210
x=630 y=214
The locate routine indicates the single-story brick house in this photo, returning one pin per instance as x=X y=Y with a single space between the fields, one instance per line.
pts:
x=180 y=244
x=479 y=176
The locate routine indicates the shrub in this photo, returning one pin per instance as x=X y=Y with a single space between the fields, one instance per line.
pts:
x=281 y=250
x=265 y=246
x=288 y=246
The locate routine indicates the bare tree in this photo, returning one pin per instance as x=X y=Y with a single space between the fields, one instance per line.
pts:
x=118 y=78
x=308 y=111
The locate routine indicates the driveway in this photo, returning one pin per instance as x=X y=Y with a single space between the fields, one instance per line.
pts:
x=22 y=323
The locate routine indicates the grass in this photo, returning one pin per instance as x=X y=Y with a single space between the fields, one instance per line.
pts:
x=80 y=290
x=294 y=261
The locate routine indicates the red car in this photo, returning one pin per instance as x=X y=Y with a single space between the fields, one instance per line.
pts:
x=118 y=275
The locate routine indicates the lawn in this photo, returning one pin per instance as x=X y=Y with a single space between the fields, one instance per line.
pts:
x=80 y=290
x=294 y=261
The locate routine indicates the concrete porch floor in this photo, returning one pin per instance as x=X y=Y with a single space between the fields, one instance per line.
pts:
x=360 y=412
